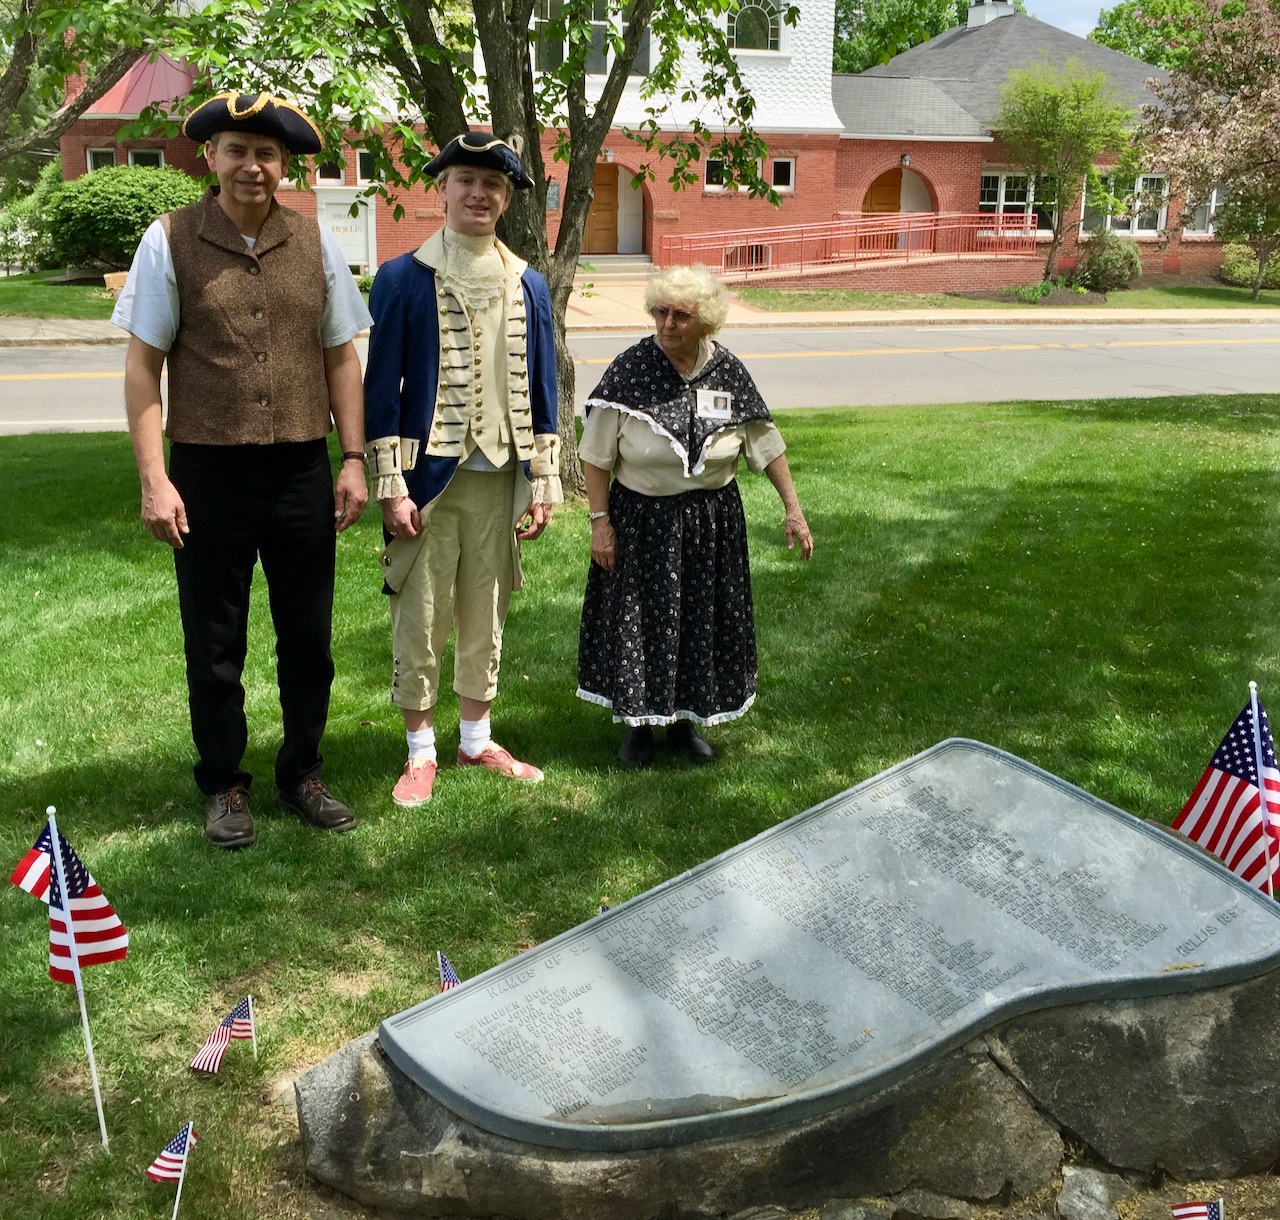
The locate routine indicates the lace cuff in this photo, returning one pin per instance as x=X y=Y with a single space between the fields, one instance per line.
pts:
x=546 y=489
x=546 y=458
x=389 y=487
x=389 y=458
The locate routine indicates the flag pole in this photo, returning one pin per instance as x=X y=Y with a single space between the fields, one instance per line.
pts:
x=56 y=845
x=182 y=1173
x=1262 y=782
x=253 y=1028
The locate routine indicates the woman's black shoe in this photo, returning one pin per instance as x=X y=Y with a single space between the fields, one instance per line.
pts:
x=684 y=737
x=636 y=749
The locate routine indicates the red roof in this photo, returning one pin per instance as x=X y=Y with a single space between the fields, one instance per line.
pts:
x=161 y=80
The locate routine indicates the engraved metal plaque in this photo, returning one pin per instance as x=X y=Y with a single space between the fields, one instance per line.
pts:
x=832 y=955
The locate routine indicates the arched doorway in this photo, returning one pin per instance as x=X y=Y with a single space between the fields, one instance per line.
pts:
x=885 y=193
x=615 y=223
x=898 y=190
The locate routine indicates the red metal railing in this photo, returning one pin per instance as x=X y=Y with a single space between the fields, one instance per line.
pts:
x=862 y=237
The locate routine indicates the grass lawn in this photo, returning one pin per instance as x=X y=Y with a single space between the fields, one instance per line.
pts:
x=1191 y=296
x=32 y=296
x=818 y=300
x=1163 y=296
x=1088 y=585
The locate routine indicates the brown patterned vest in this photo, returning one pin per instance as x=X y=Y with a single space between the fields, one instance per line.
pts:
x=246 y=366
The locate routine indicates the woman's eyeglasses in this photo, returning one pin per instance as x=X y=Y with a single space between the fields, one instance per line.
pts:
x=681 y=317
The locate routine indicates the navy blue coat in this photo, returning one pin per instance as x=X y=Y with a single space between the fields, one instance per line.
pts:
x=404 y=365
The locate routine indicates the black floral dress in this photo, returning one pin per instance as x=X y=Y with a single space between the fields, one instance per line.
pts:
x=671 y=634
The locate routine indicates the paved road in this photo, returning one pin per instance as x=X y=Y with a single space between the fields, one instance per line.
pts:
x=897 y=366
x=81 y=388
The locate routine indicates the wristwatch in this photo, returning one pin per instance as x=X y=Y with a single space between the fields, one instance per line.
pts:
x=596 y=516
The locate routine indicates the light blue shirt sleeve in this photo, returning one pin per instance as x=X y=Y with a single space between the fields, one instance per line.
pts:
x=345 y=314
x=148 y=304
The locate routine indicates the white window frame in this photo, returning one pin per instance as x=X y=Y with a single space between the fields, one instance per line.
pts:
x=363 y=179
x=790 y=188
x=776 y=27
x=1131 y=226
x=89 y=166
x=720 y=188
x=148 y=152
x=605 y=14
x=323 y=179
x=1004 y=187
x=1209 y=208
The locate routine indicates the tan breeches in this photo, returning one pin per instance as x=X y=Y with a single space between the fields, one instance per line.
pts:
x=466 y=568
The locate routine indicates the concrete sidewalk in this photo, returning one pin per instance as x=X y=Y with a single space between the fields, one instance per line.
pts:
x=617 y=304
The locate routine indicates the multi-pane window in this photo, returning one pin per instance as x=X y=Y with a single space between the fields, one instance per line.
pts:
x=99 y=158
x=1199 y=220
x=756 y=25
x=1036 y=197
x=1150 y=193
x=550 y=50
x=153 y=157
x=329 y=172
x=781 y=175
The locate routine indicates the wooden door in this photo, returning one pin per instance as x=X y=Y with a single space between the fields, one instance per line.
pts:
x=601 y=235
x=885 y=193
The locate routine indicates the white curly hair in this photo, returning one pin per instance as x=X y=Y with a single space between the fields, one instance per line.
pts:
x=691 y=288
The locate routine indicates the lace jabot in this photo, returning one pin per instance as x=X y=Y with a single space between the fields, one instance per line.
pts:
x=473 y=269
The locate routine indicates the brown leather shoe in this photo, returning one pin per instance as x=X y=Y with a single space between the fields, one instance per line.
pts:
x=227 y=821
x=317 y=806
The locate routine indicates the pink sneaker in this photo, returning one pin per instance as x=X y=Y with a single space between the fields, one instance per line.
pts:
x=414 y=786
x=494 y=758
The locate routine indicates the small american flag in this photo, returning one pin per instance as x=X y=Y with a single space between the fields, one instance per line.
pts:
x=1223 y=814
x=448 y=975
x=171 y=1163
x=238 y=1023
x=96 y=928
x=1199 y=1210
x=32 y=873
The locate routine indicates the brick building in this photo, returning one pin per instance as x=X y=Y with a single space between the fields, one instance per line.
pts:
x=912 y=136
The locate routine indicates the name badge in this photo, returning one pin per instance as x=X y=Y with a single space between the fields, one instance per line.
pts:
x=714 y=404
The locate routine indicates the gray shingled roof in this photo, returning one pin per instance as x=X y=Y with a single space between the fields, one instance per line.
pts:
x=893 y=106
x=969 y=67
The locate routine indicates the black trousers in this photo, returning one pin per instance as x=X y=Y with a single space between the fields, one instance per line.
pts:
x=244 y=503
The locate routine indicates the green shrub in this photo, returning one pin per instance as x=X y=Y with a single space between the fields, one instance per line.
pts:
x=364 y=283
x=1240 y=265
x=32 y=215
x=1107 y=262
x=1031 y=293
x=98 y=220
x=16 y=236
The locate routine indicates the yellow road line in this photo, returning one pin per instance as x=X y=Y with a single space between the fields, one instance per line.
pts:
x=969 y=349
x=58 y=376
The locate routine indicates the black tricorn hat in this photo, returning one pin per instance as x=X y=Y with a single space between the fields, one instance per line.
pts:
x=488 y=152
x=259 y=113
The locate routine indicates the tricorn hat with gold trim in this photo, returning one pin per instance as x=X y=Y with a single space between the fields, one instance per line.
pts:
x=482 y=149
x=259 y=113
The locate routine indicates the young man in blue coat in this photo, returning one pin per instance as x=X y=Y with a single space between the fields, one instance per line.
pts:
x=461 y=403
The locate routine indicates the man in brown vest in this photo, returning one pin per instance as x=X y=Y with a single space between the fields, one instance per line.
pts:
x=255 y=311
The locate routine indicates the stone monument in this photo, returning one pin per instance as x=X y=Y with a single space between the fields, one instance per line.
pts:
x=834 y=970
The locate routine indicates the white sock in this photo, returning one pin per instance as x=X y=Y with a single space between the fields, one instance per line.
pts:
x=422 y=743
x=473 y=736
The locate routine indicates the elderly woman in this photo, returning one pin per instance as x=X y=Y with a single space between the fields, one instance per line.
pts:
x=668 y=636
